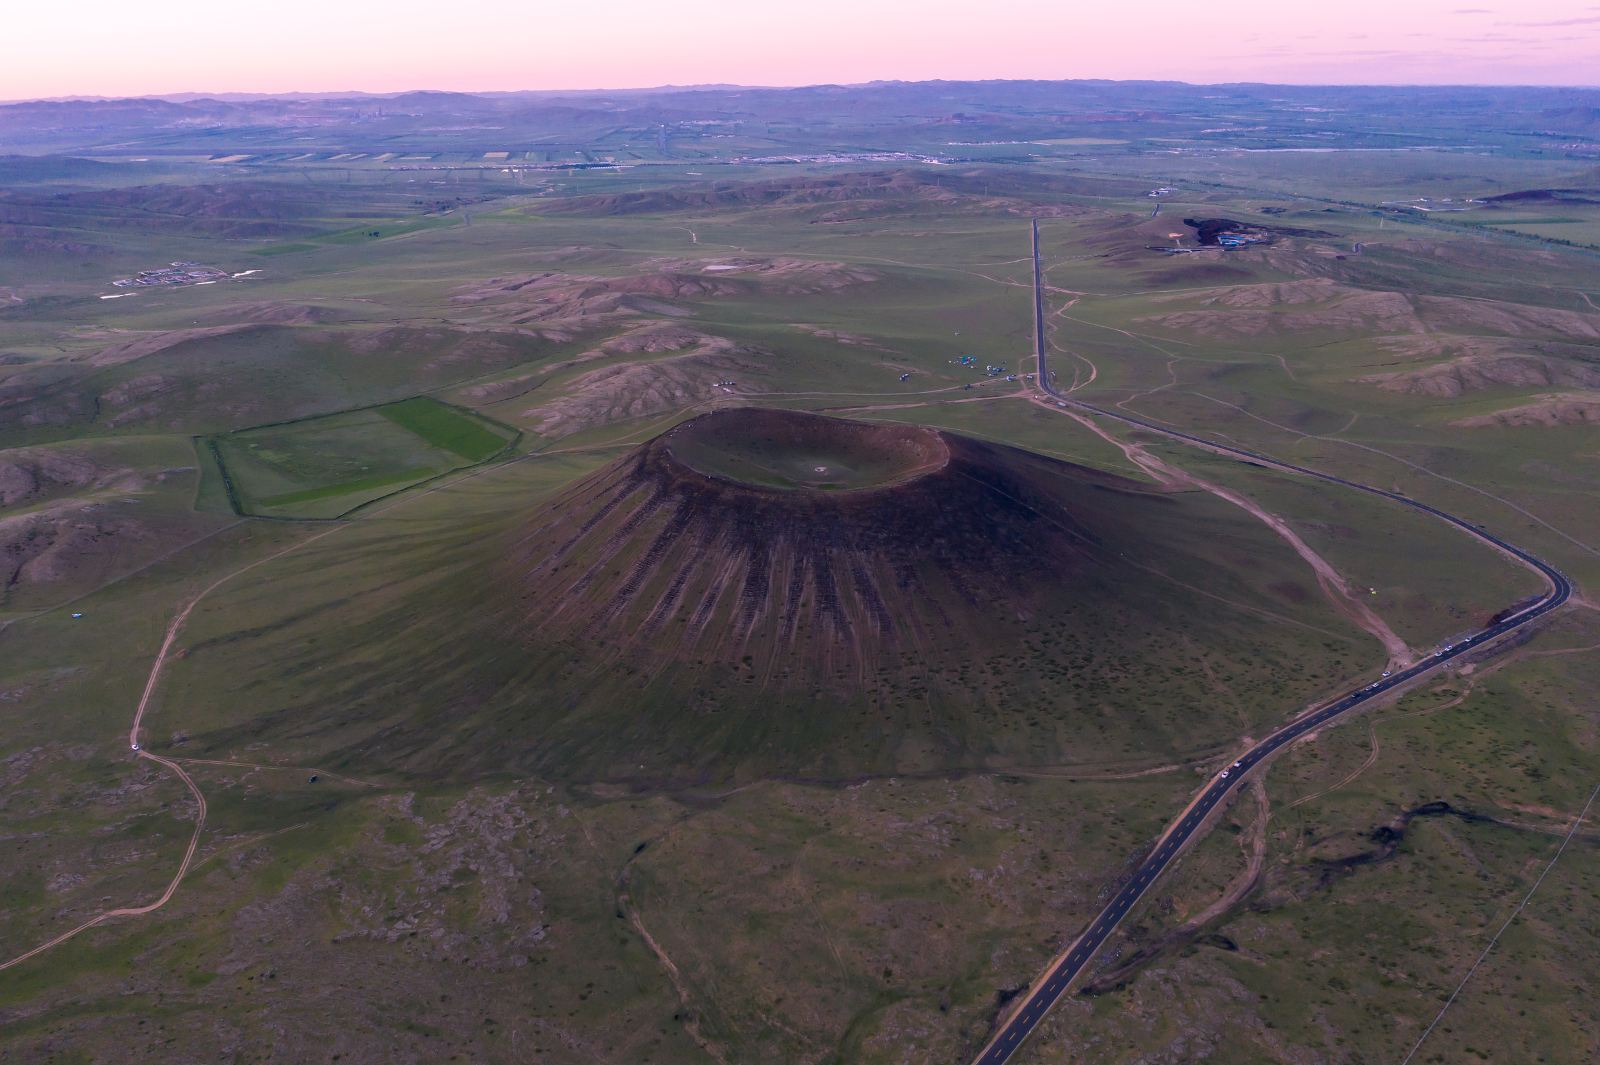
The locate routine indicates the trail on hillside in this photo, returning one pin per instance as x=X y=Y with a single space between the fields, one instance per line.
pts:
x=1333 y=583
x=159 y=665
x=166 y=896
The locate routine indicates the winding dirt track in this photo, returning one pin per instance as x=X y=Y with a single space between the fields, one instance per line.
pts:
x=1333 y=583
x=150 y=683
x=135 y=911
x=159 y=665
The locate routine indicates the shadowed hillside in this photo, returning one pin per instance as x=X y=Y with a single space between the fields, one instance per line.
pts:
x=760 y=592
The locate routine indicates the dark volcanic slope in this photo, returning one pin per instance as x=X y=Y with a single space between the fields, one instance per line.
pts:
x=906 y=539
x=762 y=592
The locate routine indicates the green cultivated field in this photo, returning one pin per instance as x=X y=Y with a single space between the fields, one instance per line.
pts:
x=1573 y=223
x=445 y=428
x=324 y=467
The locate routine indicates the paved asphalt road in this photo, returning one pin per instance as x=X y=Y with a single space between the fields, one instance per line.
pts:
x=1044 y=992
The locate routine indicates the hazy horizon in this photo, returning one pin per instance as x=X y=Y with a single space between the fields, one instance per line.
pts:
x=714 y=86
x=187 y=46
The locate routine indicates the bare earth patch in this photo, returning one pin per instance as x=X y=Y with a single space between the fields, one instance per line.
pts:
x=1259 y=311
x=31 y=474
x=1476 y=373
x=1568 y=408
x=640 y=389
x=855 y=340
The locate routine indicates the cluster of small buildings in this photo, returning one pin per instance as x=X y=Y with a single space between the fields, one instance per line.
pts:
x=1224 y=240
x=179 y=273
x=1428 y=203
x=994 y=370
x=835 y=158
x=1162 y=191
x=972 y=360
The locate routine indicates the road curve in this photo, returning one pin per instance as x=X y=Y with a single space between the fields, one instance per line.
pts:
x=1044 y=992
x=150 y=683
x=149 y=907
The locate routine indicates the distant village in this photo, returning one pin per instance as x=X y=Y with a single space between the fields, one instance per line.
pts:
x=180 y=273
x=1428 y=203
x=989 y=370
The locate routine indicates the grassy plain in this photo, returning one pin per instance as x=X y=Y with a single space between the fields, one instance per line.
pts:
x=474 y=894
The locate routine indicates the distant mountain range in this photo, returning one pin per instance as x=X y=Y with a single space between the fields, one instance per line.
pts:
x=815 y=116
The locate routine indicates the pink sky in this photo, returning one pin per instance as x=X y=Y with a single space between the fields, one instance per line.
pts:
x=128 y=47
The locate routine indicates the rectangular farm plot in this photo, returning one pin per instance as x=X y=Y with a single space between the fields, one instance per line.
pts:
x=1562 y=220
x=446 y=427
x=326 y=466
